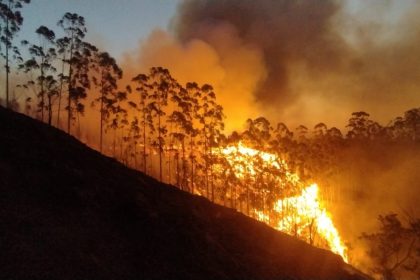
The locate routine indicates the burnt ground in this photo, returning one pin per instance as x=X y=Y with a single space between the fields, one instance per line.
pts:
x=68 y=212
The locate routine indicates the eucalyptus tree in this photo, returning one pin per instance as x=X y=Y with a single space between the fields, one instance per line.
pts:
x=41 y=58
x=162 y=86
x=108 y=75
x=134 y=136
x=76 y=51
x=118 y=119
x=10 y=21
x=412 y=123
x=358 y=125
x=61 y=45
x=191 y=111
x=258 y=132
x=282 y=141
x=142 y=87
x=83 y=61
x=211 y=118
x=182 y=119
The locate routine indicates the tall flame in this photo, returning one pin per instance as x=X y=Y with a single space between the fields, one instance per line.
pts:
x=297 y=209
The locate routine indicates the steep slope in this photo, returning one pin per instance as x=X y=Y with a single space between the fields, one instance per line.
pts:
x=67 y=212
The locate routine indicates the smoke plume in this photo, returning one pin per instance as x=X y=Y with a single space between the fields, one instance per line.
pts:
x=295 y=61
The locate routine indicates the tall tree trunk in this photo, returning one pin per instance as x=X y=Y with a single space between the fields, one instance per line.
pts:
x=7 y=59
x=160 y=148
x=7 y=76
x=211 y=175
x=144 y=146
x=49 y=110
x=60 y=92
x=184 y=166
x=135 y=155
x=69 y=116
x=177 y=170
x=42 y=89
x=206 y=165
x=113 y=142
x=169 y=151
x=192 y=164
x=102 y=113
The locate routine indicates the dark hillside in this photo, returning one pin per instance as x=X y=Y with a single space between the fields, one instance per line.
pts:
x=67 y=212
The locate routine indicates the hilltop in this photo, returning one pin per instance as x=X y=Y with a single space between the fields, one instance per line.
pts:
x=68 y=212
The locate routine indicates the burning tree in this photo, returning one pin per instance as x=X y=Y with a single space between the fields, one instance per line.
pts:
x=281 y=199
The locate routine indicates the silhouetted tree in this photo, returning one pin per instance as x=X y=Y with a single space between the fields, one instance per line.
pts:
x=358 y=125
x=10 y=21
x=143 y=88
x=412 y=122
x=191 y=113
x=211 y=118
x=182 y=119
x=61 y=44
x=163 y=86
x=393 y=248
x=74 y=27
x=109 y=74
x=42 y=58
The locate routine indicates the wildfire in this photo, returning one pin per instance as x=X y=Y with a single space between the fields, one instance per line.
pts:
x=287 y=205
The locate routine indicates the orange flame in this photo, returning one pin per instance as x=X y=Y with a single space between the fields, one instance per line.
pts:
x=298 y=211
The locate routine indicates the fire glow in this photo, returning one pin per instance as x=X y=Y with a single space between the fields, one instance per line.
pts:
x=295 y=209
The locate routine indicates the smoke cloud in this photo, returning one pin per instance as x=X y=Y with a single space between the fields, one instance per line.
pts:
x=319 y=57
x=294 y=61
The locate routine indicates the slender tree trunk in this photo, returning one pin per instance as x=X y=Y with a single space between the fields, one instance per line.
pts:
x=79 y=132
x=144 y=138
x=121 y=144
x=135 y=155
x=211 y=175
x=192 y=164
x=160 y=148
x=61 y=91
x=206 y=165
x=42 y=89
x=69 y=116
x=7 y=59
x=184 y=166
x=144 y=150
x=49 y=110
x=177 y=170
x=102 y=114
x=211 y=165
x=113 y=142
x=168 y=153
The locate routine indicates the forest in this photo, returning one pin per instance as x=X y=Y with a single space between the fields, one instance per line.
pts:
x=175 y=133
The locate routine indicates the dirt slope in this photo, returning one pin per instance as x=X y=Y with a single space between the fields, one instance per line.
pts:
x=67 y=212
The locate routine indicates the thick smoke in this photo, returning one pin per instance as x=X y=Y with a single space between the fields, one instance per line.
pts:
x=319 y=58
x=286 y=32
